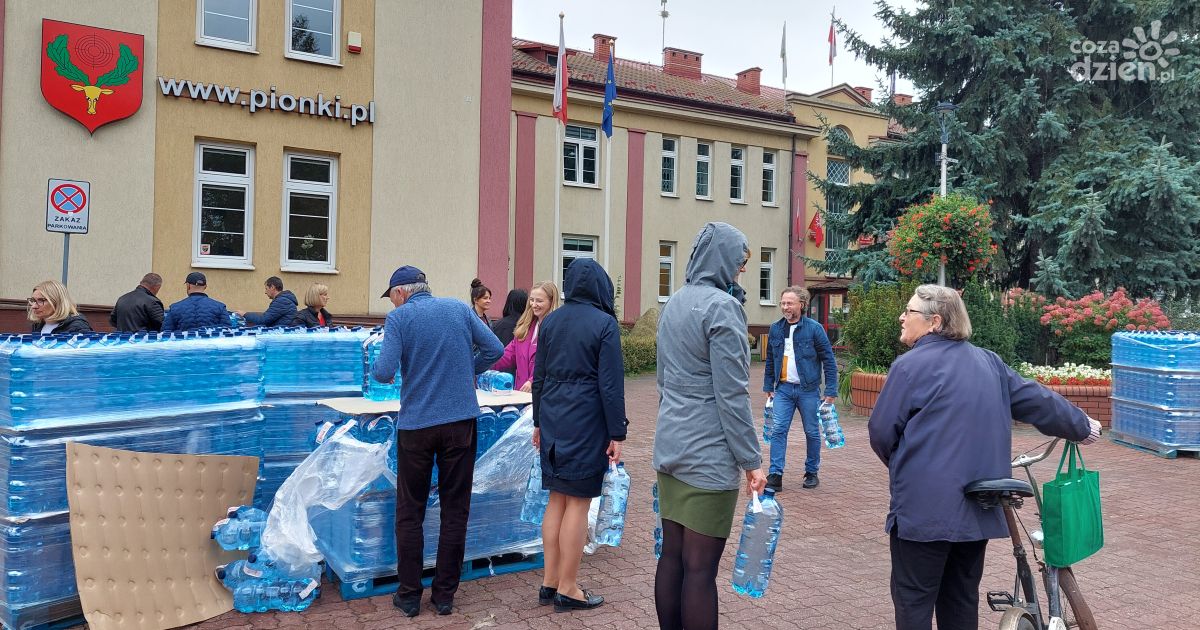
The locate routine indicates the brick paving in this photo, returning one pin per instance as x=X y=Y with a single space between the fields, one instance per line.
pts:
x=832 y=566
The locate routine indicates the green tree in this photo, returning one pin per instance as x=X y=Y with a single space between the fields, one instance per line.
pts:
x=990 y=328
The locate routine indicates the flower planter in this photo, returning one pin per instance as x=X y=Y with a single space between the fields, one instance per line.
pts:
x=864 y=391
x=1094 y=400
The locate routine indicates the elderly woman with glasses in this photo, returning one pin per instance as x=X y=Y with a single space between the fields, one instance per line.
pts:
x=52 y=311
x=943 y=420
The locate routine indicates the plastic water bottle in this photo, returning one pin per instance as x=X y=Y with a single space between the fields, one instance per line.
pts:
x=536 y=498
x=373 y=389
x=502 y=382
x=834 y=438
x=265 y=595
x=241 y=529
x=378 y=430
x=768 y=419
x=485 y=429
x=235 y=573
x=614 y=497
x=236 y=321
x=658 y=531
x=756 y=551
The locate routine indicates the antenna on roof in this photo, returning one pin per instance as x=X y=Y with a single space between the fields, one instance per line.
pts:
x=665 y=14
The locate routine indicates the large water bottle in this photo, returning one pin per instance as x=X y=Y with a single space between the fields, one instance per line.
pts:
x=756 y=551
x=236 y=321
x=237 y=572
x=378 y=430
x=502 y=382
x=614 y=497
x=658 y=531
x=834 y=438
x=275 y=594
x=241 y=529
x=536 y=498
x=768 y=419
x=485 y=429
x=373 y=389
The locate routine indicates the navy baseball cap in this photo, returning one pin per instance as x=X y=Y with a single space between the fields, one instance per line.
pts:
x=197 y=279
x=402 y=276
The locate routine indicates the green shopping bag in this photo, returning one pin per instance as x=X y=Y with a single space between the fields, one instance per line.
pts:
x=1071 y=519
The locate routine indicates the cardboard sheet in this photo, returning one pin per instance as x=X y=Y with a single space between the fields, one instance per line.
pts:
x=359 y=405
x=140 y=525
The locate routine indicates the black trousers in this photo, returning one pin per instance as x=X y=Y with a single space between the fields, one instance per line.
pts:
x=452 y=446
x=942 y=576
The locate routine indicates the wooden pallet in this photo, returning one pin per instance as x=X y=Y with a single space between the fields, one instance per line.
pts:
x=1148 y=446
x=67 y=613
x=472 y=570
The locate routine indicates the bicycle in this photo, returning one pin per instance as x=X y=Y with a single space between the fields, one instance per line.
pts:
x=1022 y=610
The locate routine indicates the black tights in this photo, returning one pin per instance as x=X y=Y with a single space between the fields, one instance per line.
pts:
x=685 y=585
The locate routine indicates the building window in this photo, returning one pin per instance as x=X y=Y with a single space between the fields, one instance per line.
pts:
x=837 y=134
x=309 y=213
x=666 y=270
x=580 y=149
x=703 y=164
x=837 y=172
x=577 y=247
x=552 y=59
x=766 y=269
x=224 y=206
x=313 y=27
x=226 y=23
x=668 y=165
x=768 y=180
x=737 y=166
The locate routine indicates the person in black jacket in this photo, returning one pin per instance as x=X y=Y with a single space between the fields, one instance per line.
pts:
x=52 y=311
x=282 y=310
x=140 y=309
x=579 y=422
x=514 y=306
x=315 y=316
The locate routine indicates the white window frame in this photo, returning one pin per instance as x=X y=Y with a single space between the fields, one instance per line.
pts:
x=672 y=155
x=769 y=167
x=230 y=44
x=335 y=59
x=563 y=254
x=581 y=144
x=738 y=165
x=707 y=160
x=246 y=181
x=766 y=269
x=312 y=188
x=830 y=230
x=669 y=261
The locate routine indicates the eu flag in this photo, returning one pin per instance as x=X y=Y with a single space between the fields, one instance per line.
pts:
x=610 y=95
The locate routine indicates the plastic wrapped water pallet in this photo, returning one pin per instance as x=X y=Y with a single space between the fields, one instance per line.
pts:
x=288 y=424
x=33 y=463
x=321 y=362
x=272 y=472
x=36 y=562
x=1156 y=391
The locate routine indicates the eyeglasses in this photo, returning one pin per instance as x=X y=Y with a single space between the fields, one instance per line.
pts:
x=38 y=301
x=910 y=311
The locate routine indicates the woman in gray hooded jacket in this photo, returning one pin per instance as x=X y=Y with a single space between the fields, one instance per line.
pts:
x=705 y=437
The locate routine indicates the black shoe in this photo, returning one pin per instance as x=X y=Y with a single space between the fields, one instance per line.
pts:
x=811 y=481
x=562 y=603
x=775 y=482
x=546 y=595
x=443 y=608
x=410 y=606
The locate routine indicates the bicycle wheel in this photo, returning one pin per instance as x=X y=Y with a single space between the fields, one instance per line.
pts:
x=1076 y=613
x=1017 y=619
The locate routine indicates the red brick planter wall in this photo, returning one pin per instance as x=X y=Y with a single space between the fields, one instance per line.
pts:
x=1093 y=400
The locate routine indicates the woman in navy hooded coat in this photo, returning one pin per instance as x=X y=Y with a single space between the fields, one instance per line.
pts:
x=579 y=422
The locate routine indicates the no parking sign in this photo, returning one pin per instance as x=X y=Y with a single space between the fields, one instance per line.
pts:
x=67 y=206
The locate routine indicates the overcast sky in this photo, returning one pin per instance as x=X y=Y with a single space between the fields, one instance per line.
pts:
x=732 y=35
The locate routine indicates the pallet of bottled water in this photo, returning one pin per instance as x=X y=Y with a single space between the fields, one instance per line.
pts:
x=1156 y=391
x=324 y=362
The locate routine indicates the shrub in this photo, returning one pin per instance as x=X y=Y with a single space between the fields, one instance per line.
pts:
x=990 y=328
x=639 y=352
x=872 y=328
x=954 y=230
x=1024 y=312
x=1184 y=313
x=1082 y=329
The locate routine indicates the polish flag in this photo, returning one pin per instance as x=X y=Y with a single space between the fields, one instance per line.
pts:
x=832 y=42
x=560 y=78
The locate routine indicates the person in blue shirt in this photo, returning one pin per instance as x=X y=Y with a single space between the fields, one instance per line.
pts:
x=797 y=350
x=197 y=310
x=282 y=310
x=431 y=341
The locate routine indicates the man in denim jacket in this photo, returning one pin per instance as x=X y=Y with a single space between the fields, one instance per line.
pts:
x=797 y=349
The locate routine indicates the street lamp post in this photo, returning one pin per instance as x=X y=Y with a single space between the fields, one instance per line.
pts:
x=944 y=111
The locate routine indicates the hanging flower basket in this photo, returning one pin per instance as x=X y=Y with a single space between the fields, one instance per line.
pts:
x=954 y=230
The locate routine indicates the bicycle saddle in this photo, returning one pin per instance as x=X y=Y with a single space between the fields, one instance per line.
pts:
x=990 y=492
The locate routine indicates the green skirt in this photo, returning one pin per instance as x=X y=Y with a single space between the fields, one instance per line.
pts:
x=708 y=512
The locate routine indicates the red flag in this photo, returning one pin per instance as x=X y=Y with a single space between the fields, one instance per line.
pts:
x=560 y=78
x=816 y=230
x=832 y=42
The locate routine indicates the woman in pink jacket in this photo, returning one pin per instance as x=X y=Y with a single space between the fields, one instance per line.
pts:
x=519 y=353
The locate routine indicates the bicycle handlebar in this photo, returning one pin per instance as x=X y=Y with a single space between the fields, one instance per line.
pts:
x=1024 y=460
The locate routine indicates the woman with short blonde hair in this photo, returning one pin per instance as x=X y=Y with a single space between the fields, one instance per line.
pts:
x=315 y=316
x=52 y=310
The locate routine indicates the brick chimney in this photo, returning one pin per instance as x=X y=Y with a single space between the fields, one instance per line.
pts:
x=864 y=92
x=902 y=99
x=747 y=81
x=681 y=63
x=602 y=45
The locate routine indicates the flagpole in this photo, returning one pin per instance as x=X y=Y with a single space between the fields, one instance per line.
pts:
x=832 y=44
x=557 y=194
x=607 y=196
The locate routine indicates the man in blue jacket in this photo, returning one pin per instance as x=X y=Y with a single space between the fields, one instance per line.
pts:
x=797 y=349
x=197 y=310
x=430 y=340
x=282 y=310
